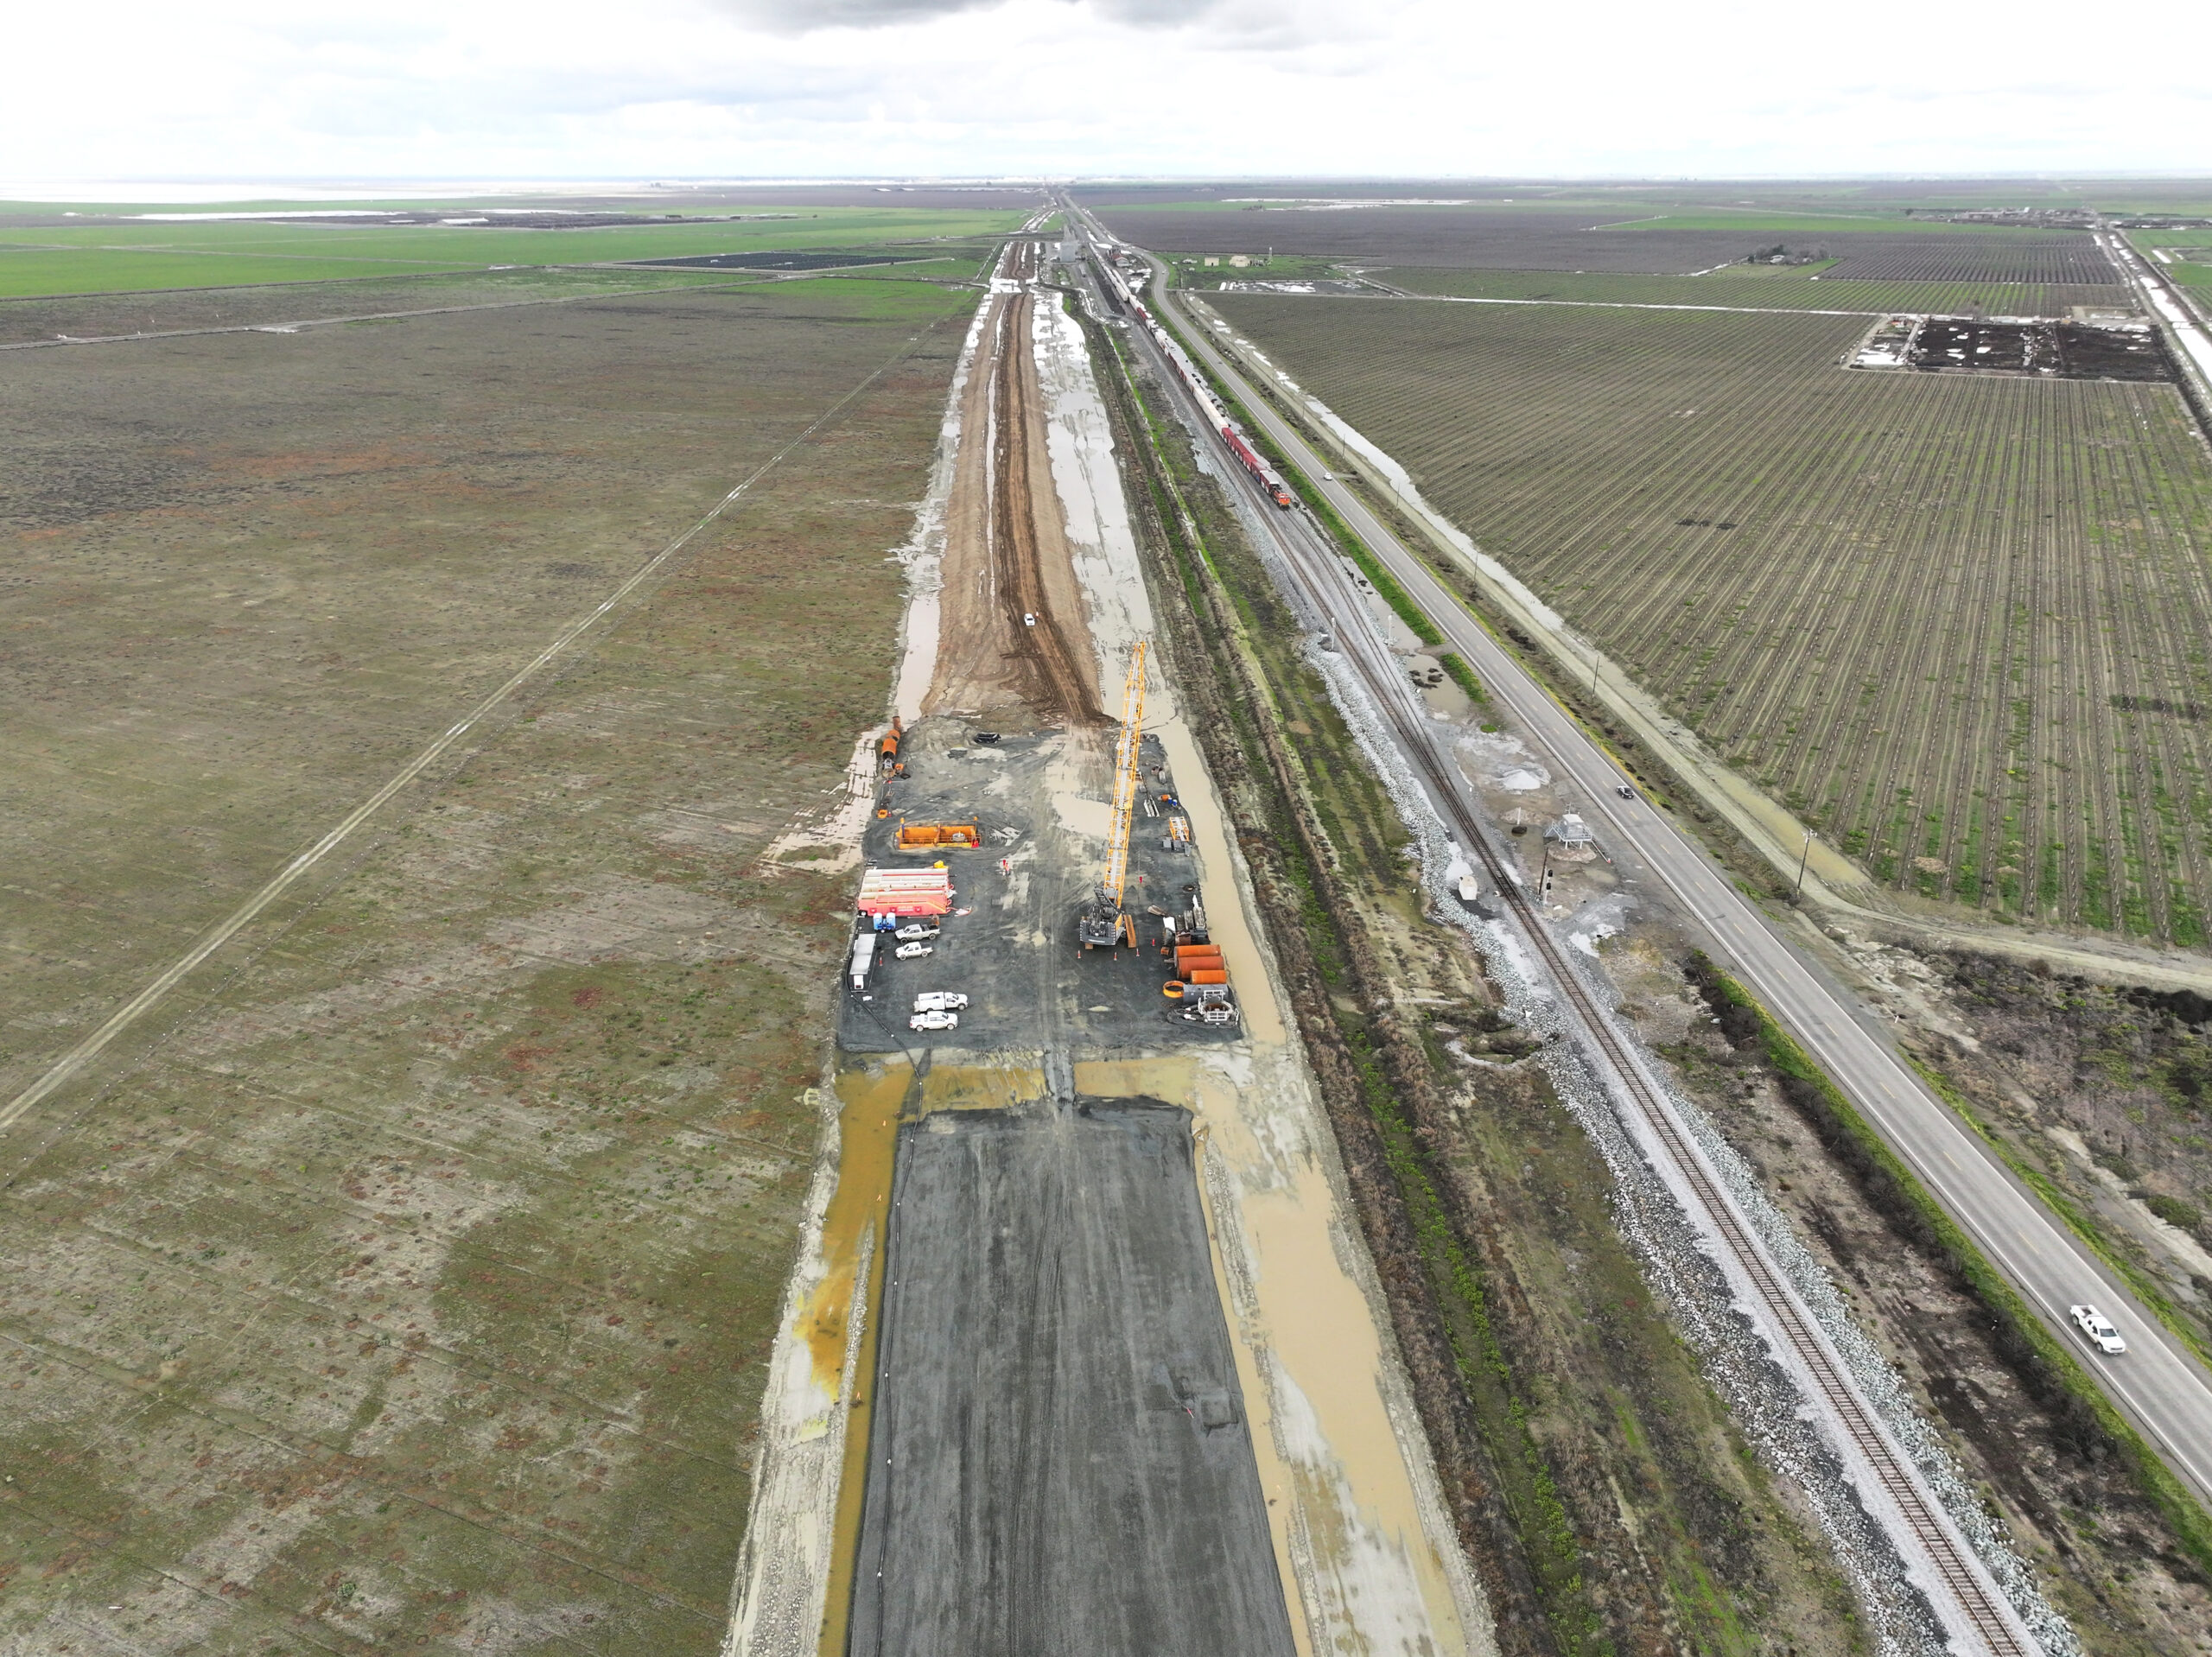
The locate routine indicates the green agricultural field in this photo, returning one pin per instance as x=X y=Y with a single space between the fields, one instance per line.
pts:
x=111 y=258
x=43 y=272
x=24 y=319
x=1600 y=211
x=1765 y=288
x=1962 y=625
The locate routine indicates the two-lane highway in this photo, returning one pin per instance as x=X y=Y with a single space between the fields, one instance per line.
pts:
x=2158 y=1385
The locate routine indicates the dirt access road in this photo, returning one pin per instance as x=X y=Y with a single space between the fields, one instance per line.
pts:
x=1014 y=630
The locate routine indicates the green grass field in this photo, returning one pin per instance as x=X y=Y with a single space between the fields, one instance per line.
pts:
x=43 y=272
x=443 y=1307
x=142 y=258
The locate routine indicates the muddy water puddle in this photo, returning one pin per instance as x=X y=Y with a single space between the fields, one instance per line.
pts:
x=852 y=1234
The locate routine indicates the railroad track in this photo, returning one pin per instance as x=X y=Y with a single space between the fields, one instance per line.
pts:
x=1968 y=1587
x=1975 y=1607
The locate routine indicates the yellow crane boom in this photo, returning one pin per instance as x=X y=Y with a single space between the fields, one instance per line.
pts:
x=1101 y=925
x=1125 y=778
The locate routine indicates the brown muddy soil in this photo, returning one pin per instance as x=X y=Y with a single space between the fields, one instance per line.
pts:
x=1012 y=632
x=407 y=1282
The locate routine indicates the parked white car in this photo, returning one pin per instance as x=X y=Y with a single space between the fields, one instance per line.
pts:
x=916 y=930
x=912 y=951
x=940 y=1000
x=934 y=1021
x=2098 y=1327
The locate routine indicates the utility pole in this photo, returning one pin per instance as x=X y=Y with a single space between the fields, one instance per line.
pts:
x=1803 y=858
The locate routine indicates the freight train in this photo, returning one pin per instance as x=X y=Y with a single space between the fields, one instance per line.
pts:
x=1201 y=389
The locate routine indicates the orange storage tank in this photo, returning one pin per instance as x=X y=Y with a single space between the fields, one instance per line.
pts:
x=1208 y=975
x=912 y=835
x=1197 y=952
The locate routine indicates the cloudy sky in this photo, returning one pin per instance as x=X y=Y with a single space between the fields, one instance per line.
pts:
x=559 y=89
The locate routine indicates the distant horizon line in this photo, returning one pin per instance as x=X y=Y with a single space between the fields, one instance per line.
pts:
x=239 y=187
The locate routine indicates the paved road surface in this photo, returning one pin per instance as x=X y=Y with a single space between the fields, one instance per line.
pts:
x=2165 y=1392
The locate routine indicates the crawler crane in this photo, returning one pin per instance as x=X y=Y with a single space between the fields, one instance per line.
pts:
x=1103 y=924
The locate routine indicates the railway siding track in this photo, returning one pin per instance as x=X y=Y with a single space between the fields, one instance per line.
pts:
x=1889 y=1486
x=1963 y=1595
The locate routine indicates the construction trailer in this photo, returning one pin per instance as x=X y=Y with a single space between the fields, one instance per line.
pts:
x=905 y=891
x=863 y=959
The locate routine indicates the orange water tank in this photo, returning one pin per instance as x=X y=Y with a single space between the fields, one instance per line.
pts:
x=1208 y=975
x=914 y=835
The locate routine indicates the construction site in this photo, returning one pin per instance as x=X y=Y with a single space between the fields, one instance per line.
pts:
x=1085 y=1349
x=1048 y=939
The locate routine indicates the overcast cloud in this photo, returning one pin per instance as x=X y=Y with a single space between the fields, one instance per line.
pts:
x=558 y=89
